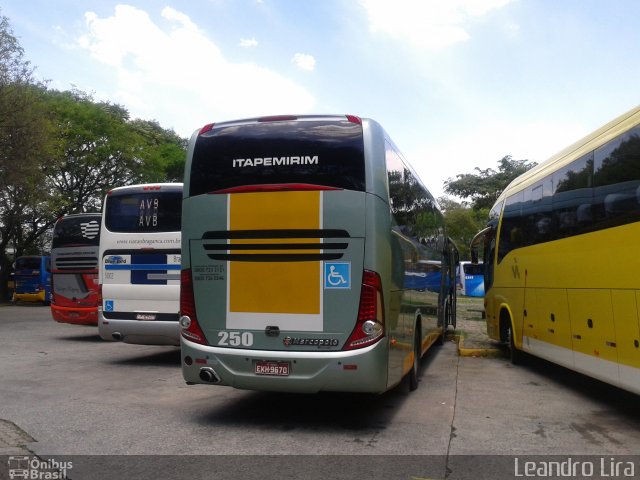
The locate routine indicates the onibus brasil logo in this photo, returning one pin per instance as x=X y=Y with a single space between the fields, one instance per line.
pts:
x=35 y=468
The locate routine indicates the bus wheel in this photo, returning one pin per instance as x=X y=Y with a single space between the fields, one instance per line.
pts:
x=413 y=373
x=445 y=324
x=453 y=313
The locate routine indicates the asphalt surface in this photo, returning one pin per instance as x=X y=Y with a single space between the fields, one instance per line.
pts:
x=123 y=411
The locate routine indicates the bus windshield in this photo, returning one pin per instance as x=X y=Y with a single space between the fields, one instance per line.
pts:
x=473 y=269
x=143 y=212
x=28 y=263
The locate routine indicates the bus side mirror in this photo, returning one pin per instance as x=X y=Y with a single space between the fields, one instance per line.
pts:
x=475 y=244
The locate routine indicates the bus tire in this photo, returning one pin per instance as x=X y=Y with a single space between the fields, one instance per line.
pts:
x=445 y=325
x=453 y=313
x=417 y=350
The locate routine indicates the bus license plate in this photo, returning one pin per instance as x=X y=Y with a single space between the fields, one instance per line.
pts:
x=279 y=369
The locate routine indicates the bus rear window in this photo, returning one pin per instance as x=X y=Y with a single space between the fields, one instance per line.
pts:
x=474 y=269
x=76 y=231
x=28 y=263
x=319 y=152
x=143 y=212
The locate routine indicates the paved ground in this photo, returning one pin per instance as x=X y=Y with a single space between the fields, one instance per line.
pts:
x=125 y=411
x=471 y=332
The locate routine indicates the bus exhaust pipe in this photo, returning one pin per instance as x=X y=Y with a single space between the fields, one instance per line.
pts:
x=117 y=336
x=209 y=375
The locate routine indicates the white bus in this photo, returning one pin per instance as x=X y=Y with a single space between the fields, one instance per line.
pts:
x=139 y=267
x=470 y=279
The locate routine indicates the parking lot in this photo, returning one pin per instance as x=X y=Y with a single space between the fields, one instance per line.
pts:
x=66 y=393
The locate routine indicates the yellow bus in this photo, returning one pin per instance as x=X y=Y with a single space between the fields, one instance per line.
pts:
x=561 y=257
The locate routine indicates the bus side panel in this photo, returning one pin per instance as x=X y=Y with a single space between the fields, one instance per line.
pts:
x=547 y=325
x=625 y=316
x=385 y=253
x=594 y=336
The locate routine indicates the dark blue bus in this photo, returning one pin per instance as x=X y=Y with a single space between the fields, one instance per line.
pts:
x=32 y=279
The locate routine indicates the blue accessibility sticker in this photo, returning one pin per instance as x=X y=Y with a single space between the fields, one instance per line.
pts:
x=337 y=275
x=108 y=305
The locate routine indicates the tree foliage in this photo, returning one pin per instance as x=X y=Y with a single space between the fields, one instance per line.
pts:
x=482 y=189
x=462 y=223
x=61 y=151
x=98 y=148
x=479 y=192
x=22 y=204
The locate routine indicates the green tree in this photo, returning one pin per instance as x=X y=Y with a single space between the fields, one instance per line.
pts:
x=483 y=188
x=61 y=151
x=95 y=150
x=98 y=148
x=23 y=145
x=462 y=223
x=164 y=153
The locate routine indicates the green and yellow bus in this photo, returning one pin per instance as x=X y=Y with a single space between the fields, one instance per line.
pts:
x=301 y=238
x=561 y=257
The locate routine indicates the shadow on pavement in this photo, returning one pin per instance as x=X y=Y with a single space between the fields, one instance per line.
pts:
x=161 y=358
x=89 y=338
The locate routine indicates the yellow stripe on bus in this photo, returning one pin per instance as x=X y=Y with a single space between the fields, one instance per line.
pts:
x=275 y=287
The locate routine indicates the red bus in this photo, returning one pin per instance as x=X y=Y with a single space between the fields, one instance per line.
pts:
x=74 y=269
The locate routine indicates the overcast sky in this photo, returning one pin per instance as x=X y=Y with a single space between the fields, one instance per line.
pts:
x=458 y=84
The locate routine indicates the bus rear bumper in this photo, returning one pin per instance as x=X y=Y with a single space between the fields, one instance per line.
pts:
x=75 y=315
x=30 y=297
x=141 y=332
x=363 y=370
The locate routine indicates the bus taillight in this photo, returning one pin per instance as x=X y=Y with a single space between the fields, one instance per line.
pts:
x=370 y=325
x=188 y=320
x=207 y=128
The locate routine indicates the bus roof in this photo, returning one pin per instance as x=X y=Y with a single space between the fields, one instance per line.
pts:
x=74 y=215
x=583 y=146
x=143 y=187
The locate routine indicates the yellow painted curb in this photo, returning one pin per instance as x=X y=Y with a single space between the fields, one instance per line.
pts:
x=476 y=352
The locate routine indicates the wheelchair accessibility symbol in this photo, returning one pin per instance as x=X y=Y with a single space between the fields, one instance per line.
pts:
x=337 y=275
x=108 y=305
